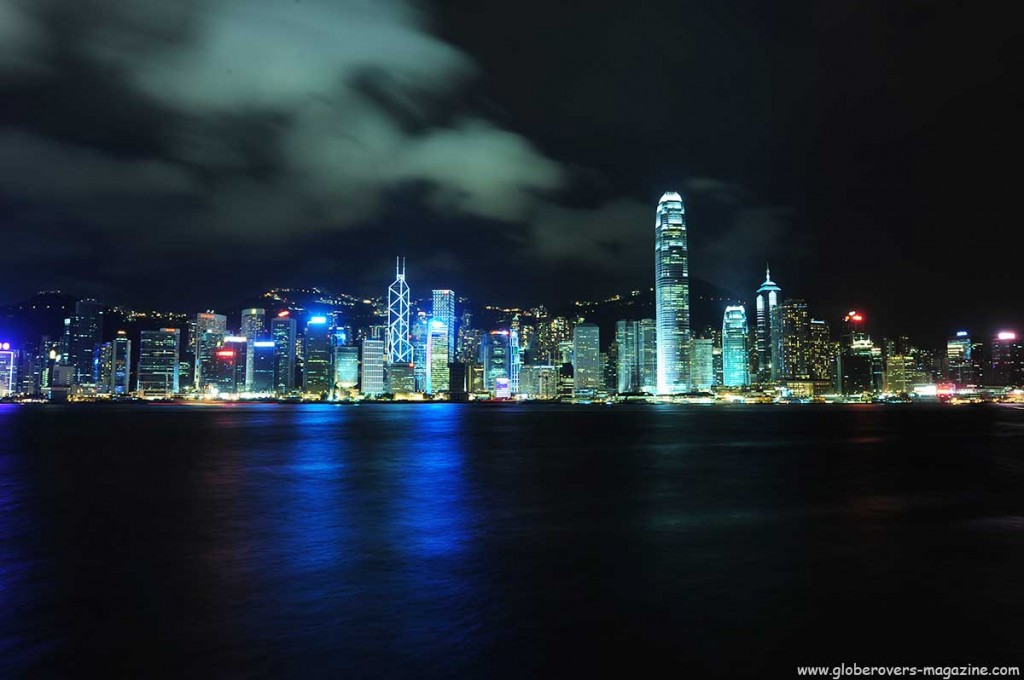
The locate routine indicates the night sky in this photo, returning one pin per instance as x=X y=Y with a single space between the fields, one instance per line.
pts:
x=188 y=154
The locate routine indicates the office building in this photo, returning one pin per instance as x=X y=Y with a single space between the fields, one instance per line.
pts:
x=283 y=331
x=769 y=330
x=158 y=363
x=263 y=362
x=444 y=311
x=437 y=358
x=588 y=378
x=317 y=350
x=672 y=295
x=398 y=348
x=702 y=365
x=371 y=370
x=735 y=352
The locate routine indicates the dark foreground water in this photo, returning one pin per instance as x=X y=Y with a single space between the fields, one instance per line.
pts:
x=473 y=541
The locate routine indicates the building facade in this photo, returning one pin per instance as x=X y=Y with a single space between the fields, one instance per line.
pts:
x=672 y=295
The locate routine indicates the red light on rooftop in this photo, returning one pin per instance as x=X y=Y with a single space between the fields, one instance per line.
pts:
x=283 y=313
x=226 y=353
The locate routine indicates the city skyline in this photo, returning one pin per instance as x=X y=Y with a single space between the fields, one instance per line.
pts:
x=126 y=167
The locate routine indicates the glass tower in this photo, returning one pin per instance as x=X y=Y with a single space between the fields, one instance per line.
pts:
x=769 y=330
x=735 y=366
x=444 y=311
x=672 y=295
x=588 y=377
x=158 y=363
x=398 y=350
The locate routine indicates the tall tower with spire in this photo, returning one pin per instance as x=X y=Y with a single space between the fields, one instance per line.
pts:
x=769 y=329
x=399 y=349
x=672 y=295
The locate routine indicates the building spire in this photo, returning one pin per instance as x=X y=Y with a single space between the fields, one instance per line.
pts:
x=767 y=272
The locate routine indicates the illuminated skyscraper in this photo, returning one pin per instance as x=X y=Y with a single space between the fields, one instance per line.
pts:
x=437 y=358
x=398 y=348
x=316 y=366
x=796 y=340
x=283 y=332
x=419 y=337
x=702 y=364
x=960 y=361
x=210 y=330
x=769 y=330
x=588 y=378
x=263 y=350
x=495 y=358
x=85 y=333
x=444 y=311
x=638 y=356
x=735 y=361
x=346 y=367
x=515 y=358
x=672 y=295
x=158 y=363
x=822 y=353
x=371 y=376
x=253 y=326
x=120 y=364
x=1008 y=359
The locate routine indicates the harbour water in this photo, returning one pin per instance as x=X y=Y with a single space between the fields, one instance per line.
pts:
x=515 y=541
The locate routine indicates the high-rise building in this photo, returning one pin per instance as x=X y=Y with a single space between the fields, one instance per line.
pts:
x=959 y=360
x=400 y=379
x=444 y=311
x=702 y=365
x=672 y=295
x=1008 y=359
x=769 y=330
x=822 y=352
x=85 y=333
x=316 y=365
x=254 y=325
x=538 y=382
x=735 y=353
x=899 y=374
x=398 y=348
x=419 y=337
x=283 y=331
x=227 y=374
x=8 y=370
x=860 y=360
x=210 y=330
x=346 y=367
x=515 y=364
x=495 y=358
x=263 y=360
x=588 y=378
x=636 y=343
x=371 y=376
x=796 y=340
x=120 y=364
x=437 y=358
x=158 y=363
x=628 y=373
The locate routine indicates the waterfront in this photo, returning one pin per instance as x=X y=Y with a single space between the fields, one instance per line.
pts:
x=442 y=540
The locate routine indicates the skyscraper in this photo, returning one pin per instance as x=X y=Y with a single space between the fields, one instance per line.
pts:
x=371 y=377
x=495 y=358
x=254 y=325
x=346 y=367
x=637 y=356
x=121 y=361
x=796 y=340
x=672 y=295
x=263 y=351
x=444 y=311
x=316 y=366
x=1008 y=359
x=158 y=363
x=628 y=373
x=515 y=364
x=398 y=348
x=769 y=330
x=735 y=360
x=282 y=332
x=437 y=358
x=588 y=378
x=85 y=334
x=210 y=330
x=959 y=360
x=821 y=353
x=702 y=365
